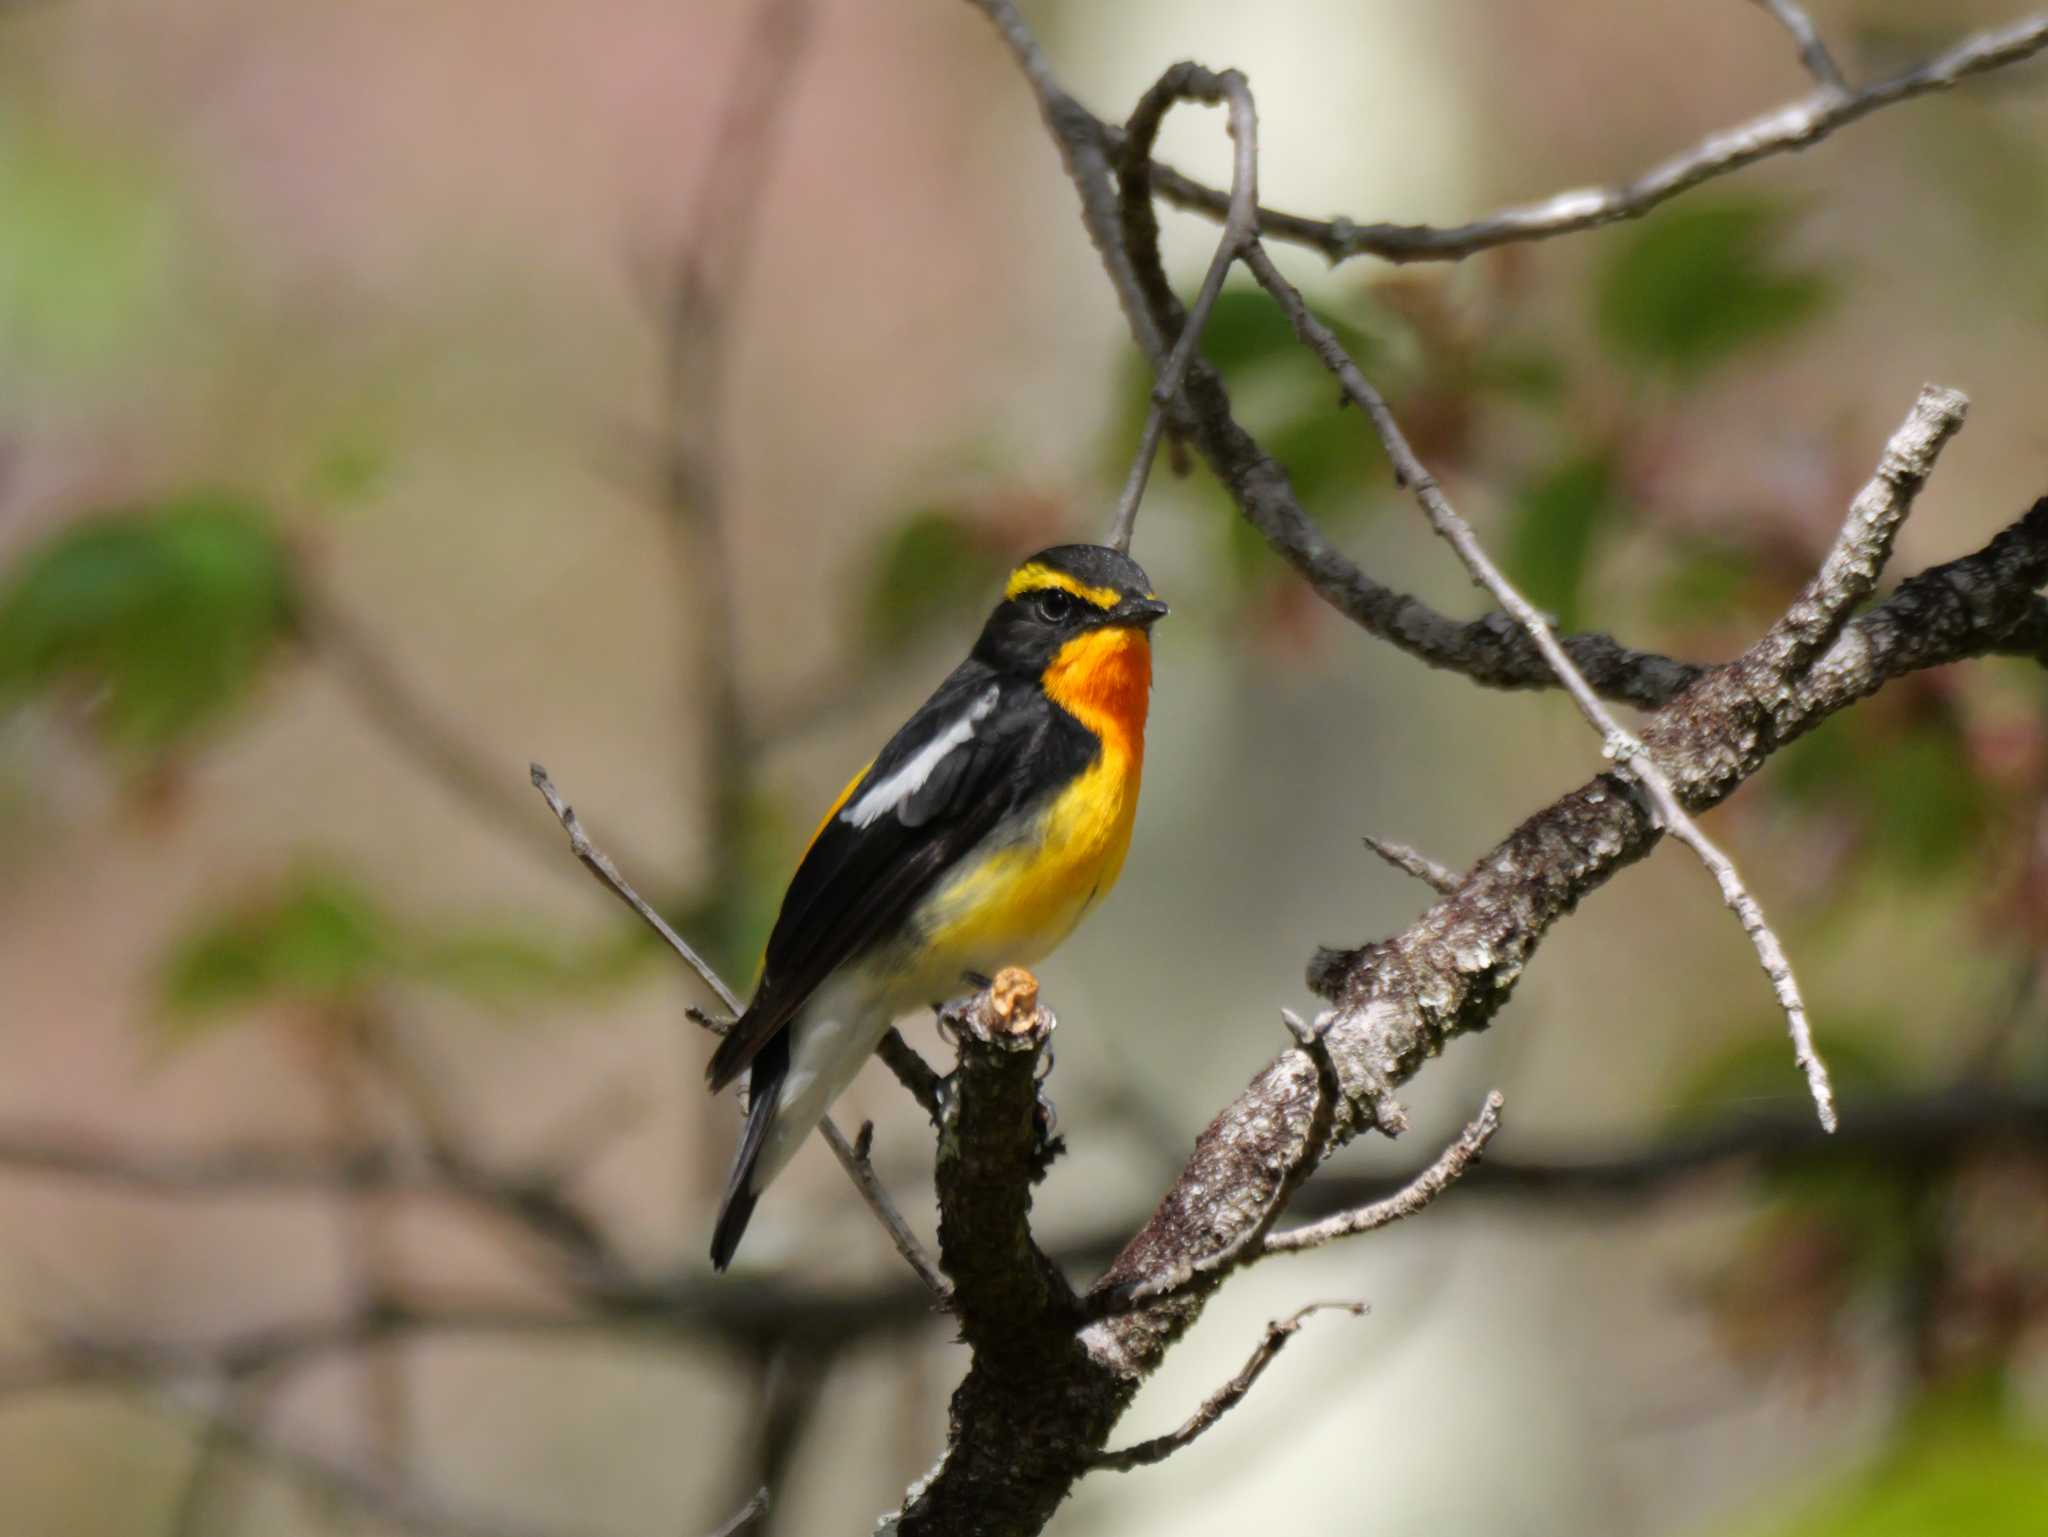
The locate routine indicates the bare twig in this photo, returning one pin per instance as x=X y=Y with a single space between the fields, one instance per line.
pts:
x=1225 y=1398
x=1794 y=126
x=1255 y=1241
x=599 y=864
x=746 y=1516
x=862 y=1173
x=1192 y=83
x=1410 y=1199
x=1813 y=52
x=901 y=1058
x=1439 y=878
x=1491 y=651
x=1619 y=744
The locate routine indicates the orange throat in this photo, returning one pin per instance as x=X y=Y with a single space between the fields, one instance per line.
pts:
x=1104 y=680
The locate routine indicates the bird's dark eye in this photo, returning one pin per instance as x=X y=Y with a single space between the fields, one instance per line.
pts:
x=1055 y=606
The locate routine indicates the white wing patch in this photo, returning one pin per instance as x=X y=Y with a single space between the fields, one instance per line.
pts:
x=887 y=794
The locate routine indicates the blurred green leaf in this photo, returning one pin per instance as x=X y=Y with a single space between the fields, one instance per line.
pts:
x=1921 y=802
x=1246 y=329
x=1333 y=459
x=1953 y=1474
x=1865 y=1204
x=1284 y=395
x=512 y=966
x=321 y=940
x=1700 y=282
x=169 y=614
x=1929 y=808
x=1558 y=519
x=350 y=469
x=932 y=567
x=1758 y=1069
x=1532 y=375
x=1705 y=583
x=84 y=253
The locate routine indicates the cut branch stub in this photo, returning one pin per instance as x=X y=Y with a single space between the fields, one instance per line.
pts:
x=1015 y=1308
x=991 y=1152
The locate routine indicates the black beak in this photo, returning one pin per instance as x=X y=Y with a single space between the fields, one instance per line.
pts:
x=1140 y=613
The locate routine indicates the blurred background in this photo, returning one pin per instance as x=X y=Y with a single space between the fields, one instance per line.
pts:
x=393 y=394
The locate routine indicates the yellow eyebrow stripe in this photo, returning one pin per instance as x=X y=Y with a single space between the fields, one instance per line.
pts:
x=1033 y=577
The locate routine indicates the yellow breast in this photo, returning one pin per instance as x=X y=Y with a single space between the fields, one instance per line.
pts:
x=1015 y=906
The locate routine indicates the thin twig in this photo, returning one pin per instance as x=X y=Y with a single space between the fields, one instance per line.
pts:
x=599 y=864
x=1629 y=754
x=1794 y=126
x=901 y=1058
x=863 y=1176
x=1813 y=52
x=862 y=1173
x=746 y=1516
x=1410 y=1199
x=1188 y=81
x=1225 y=1398
x=1440 y=878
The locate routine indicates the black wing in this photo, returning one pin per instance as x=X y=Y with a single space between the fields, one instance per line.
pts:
x=973 y=751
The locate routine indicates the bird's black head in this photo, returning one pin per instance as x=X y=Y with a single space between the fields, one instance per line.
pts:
x=1060 y=594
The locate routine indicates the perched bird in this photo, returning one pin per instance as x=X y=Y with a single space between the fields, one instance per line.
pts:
x=976 y=839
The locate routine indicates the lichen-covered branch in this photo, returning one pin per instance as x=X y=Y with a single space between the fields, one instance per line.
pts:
x=1399 y=1001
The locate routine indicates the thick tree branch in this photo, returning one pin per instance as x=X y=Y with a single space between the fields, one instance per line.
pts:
x=1402 y=1000
x=1015 y=1308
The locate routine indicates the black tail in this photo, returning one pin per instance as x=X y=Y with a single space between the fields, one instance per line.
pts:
x=764 y=1087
